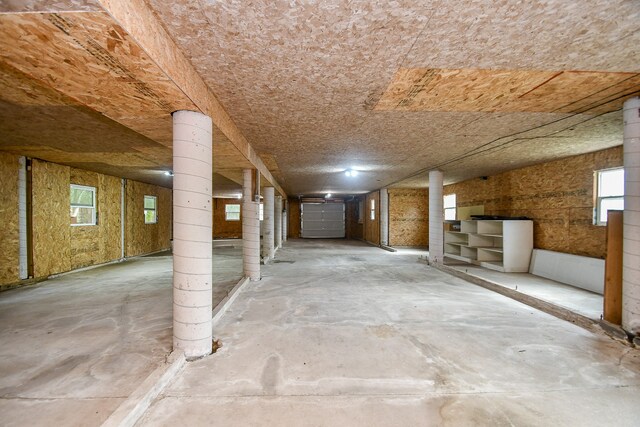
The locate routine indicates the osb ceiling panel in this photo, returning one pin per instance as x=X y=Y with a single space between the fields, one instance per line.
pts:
x=40 y=122
x=507 y=90
x=110 y=73
x=590 y=35
x=303 y=80
x=581 y=132
x=50 y=116
x=19 y=6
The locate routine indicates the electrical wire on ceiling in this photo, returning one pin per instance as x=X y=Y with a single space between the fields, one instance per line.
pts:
x=491 y=145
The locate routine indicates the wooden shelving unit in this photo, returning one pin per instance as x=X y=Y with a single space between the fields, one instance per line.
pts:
x=502 y=245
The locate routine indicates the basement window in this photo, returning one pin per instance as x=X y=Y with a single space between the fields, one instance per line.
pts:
x=373 y=209
x=609 y=193
x=150 y=209
x=261 y=212
x=83 y=205
x=449 y=204
x=232 y=212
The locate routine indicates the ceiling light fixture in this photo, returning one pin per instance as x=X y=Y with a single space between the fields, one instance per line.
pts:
x=168 y=173
x=351 y=173
x=328 y=195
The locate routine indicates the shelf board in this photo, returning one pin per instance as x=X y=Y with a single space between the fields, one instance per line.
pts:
x=458 y=257
x=493 y=249
x=456 y=243
x=490 y=235
x=493 y=265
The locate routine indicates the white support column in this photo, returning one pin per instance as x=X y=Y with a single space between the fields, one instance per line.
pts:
x=436 y=217
x=250 y=229
x=192 y=224
x=277 y=228
x=285 y=220
x=631 y=226
x=384 y=217
x=23 y=267
x=268 y=250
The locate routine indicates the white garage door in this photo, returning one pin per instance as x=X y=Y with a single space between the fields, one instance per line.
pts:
x=322 y=220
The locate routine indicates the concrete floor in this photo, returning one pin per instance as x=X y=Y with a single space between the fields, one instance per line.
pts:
x=578 y=300
x=339 y=333
x=75 y=347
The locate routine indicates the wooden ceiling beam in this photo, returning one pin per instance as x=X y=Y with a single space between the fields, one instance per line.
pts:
x=135 y=17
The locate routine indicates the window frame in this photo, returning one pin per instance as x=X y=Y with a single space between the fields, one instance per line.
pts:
x=449 y=208
x=93 y=207
x=155 y=208
x=598 y=199
x=227 y=212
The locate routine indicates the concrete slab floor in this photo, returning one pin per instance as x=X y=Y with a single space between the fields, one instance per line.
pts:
x=578 y=300
x=75 y=347
x=341 y=333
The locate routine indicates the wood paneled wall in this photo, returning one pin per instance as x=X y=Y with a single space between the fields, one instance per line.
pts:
x=558 y=196
x=51 y=218
x=144 y=238
x=59 y=247
x=408 y=217
x=354 y=228
x=293 y=230
x=9 y=234
x=223 y=229
x=372 y=227
x=100 y=243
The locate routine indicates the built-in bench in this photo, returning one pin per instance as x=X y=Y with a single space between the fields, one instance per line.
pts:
x=579 y=271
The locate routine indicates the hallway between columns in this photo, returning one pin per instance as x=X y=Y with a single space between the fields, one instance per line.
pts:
x=339 y=333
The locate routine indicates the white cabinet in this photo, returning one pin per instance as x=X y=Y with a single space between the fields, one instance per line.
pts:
x=502 y=245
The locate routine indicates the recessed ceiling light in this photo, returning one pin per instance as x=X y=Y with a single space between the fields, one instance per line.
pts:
x=351 y=173
x=328 y=194
x=168 y=173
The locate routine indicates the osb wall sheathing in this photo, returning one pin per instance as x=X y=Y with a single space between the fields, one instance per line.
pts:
x=557 y=196
x=144 y=238
x=51 y=221
x=9 y=232
x=354 y=228
x=293 y=230
x=408 y=217
x=372 y=227
x=99 y=243
x=223 y=229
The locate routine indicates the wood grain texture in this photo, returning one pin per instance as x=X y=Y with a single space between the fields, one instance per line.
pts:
x=305 y=90
x=372 y=227
x=100 y=243
x=223 y=229
x=9 y=231
x=142 y=25
x=85 y=240
x=428 y=89
x=612 y=310
x=144 y=238
x=558 y=196
x=408 y=217
x=51 y=221
x=294 y=230
x=354 y=228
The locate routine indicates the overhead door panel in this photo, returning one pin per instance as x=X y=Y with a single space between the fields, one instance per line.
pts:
x=323 y=220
